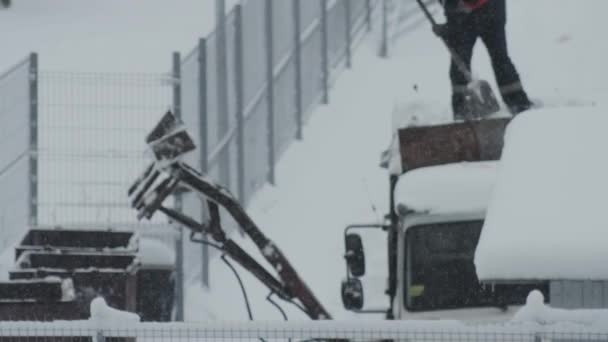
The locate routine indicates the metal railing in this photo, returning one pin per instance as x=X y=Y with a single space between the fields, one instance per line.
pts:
x=427 y=331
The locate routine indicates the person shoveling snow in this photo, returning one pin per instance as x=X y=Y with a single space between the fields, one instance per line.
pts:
x=468 y=20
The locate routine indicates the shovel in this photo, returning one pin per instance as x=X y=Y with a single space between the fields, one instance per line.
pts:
x=480 y=100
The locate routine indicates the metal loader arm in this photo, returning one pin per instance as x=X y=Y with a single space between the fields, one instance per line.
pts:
x=169 y=141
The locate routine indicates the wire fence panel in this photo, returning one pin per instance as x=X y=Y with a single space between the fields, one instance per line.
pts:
x=14 y=152
x=282 y=23
x=91 y=142
x=425 y=331
x=212 y=112
x=312 y=77
x=254 y=50
x=223 y=160
x=256 y=147
x=359 y=17
x=190 y=113
x=310 y=11
x=285 y=124
x=336 y=32
x=194 y=118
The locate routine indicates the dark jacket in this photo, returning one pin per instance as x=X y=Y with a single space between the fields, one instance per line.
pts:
x=463 y=6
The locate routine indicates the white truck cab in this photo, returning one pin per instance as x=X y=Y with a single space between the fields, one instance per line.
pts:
x=439 y=203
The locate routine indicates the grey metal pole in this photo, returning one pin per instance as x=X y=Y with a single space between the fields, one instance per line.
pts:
x=240 y=119
x=368 y=14
x=33 y=141
x=384 y=42
x=270 y=90
x=348 y=37
x=203 y=148
x=222 y=87
x=179 y=244
x=324 y=53
x=298 y=66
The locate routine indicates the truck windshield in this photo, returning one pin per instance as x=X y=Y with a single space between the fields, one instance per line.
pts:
x=440 y=273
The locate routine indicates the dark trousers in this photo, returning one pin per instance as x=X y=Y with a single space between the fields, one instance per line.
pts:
x=487 y=23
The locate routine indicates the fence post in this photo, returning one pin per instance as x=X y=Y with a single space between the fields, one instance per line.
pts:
x=348 y=37
x=368 y=14
x=384 y=38
x=179 y=245
x=324 y=53
x=203 y=148
x=222 y=89
x=99 y=336
x=33 y=141
x=297 y=35
x=270 y=90
x=240 y=120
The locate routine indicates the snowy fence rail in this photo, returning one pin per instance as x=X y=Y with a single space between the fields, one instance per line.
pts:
x=17 y=149
x=427 y=331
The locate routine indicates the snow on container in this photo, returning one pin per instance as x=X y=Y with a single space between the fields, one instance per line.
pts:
x=547 y=217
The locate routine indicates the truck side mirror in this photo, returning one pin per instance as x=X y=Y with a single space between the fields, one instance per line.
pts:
x=352 y=294
x=355 y=258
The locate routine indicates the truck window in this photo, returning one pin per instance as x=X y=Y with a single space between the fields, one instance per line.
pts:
x=440 y=273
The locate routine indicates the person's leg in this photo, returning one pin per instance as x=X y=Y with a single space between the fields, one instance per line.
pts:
x=461 y=39
x=491 y=21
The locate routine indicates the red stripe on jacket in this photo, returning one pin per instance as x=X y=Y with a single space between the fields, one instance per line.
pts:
x=474 y=4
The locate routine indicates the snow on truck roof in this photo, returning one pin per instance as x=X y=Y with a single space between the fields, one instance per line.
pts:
x=547 y=216
x=446 y=189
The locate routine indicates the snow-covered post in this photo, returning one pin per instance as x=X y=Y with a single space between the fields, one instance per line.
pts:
x=324 y=53
x=348 y=37
x=33 y=141
x=203 y=134
x=297 y=43
x=240 y=120
x=270 y=89
x=179 y=245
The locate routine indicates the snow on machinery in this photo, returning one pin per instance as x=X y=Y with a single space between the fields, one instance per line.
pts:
x=441 y=180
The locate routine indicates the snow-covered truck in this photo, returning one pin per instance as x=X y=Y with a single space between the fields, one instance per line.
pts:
x=446 y=183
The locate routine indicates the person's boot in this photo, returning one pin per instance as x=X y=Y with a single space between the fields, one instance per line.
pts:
x=517 y=102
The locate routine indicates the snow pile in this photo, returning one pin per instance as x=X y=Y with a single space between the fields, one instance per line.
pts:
x=451 y=188
x=549 y=202
x=153 y=252
x=102 y=313
x=536 y=311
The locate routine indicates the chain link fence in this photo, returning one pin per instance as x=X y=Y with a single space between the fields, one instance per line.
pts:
x=437 y=331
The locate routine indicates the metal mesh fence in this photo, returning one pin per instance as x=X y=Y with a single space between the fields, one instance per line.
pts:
x=302 y=331
x=14 y=152
x=91 y=142
x=248 y=86
x=267 y=57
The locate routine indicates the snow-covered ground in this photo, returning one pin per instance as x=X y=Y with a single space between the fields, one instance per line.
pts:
x=332 y=177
